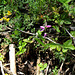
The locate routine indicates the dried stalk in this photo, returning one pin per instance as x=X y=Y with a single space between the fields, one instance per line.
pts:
x=38 y=68
x=1 y=68
x=12 y=59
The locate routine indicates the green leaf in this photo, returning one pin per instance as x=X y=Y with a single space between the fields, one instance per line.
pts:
x=55 y=46
x=68 y=43
x=45 y=65
x=58 y=48
x=41 y=69
x=40 y=65
x=28 y=41
x=39 y=41
x=39 y=32
x=16 y=32
x=20 y=48
x=64 y=1
x=24 y=44
x=23 y=50
x=64 y=50
x=70 y=47
x=67 y=22
x=67 y=1
x=73 y=33
x=41 y=37
x=20 y=42
x=57 y=28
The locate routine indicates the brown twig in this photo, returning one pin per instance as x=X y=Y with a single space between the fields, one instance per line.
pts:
x=61 y=66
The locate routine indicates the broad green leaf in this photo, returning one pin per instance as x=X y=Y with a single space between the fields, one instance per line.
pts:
x=70 y=47
x=67 y=43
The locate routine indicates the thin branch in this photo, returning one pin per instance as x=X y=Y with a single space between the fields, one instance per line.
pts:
x=5 y=69
x=68 y=32
x=26 y=32
x=49 y=63
x=73 y=38
x=66 y=71
x=61 y=66
x=8 y=71
x=49 y=39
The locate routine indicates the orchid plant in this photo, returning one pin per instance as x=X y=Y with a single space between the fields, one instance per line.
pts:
x=43 y=28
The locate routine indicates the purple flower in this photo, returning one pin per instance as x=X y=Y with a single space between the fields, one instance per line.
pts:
x=48 y=26
x=45 y=34
x=42 y=27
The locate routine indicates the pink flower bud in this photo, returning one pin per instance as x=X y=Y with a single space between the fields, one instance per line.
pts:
x=48 y=26
x=42 y=27
x=45 y=34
